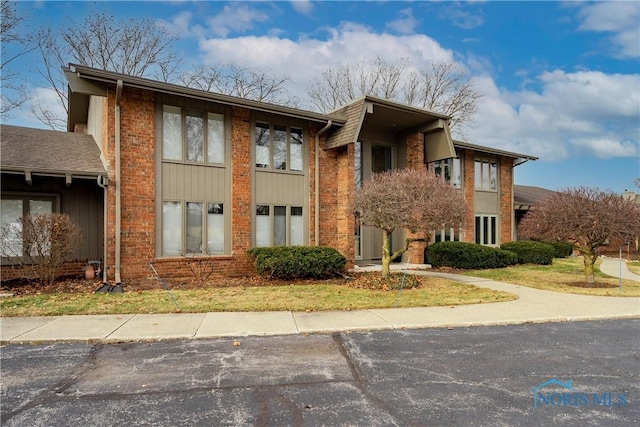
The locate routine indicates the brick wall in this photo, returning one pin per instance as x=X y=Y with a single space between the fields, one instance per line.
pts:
x=342 y=215
x=467 y=161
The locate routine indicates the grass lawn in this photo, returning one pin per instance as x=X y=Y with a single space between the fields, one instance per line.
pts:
x=564 y=275
x=634 y=267
x=294 y=297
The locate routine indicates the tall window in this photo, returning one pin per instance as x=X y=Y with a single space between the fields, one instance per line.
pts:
x=486 y=175
x=486 y=229
x=12 y=208
x=448 y=235
x=192 y=135
x=278 y=147
x=187 y=234
x=279 y=226
x=449 y=169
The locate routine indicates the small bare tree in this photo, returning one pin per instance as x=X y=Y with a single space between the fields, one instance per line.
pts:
x=41 y=243
x=585 y=217
x=410 y=199
x=244 y=82
x=136 y=47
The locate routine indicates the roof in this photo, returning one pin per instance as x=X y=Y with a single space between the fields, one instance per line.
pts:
x=525 y=196
x=382 y=112
x=491 y=150
x=85 y=81
x=48 y=152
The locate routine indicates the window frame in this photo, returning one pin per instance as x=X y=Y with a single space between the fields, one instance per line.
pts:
x=272 y=225
x=184 y=224
x=205 y=150
x=454 y=164
x=26 y=198
x=486 y=230
x=489 y=167
x=272 y=147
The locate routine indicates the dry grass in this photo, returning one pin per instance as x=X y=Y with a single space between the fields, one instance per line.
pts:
x=364 y=293
x=564 y=275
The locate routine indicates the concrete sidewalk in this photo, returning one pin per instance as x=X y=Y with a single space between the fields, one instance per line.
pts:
x=616 y=267
x=532 y=306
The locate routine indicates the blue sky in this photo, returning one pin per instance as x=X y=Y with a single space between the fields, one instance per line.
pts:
x=561 y=80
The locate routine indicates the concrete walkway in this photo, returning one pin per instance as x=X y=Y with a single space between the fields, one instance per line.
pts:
x=532 y=305
x=615 y=267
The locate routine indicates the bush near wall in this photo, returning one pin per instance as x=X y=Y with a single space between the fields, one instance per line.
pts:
x=468 y=256
x=531 y=252
x=562 y=249
x=297 y=262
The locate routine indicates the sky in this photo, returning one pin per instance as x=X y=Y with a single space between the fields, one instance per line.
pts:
x=560 y=80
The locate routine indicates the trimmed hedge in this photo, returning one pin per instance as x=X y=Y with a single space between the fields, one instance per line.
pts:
x=562 y=249
x=468 y=256
x=297 y=262
x=531 y=252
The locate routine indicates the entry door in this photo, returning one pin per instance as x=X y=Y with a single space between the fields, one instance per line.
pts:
x=375 y=158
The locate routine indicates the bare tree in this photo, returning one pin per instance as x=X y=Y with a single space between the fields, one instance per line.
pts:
x=442 y=87
x=585 y=217
x=337 y=86
x=244 y=82
x=136 y=47
x=445 y=88
x=410 y=199
x=14 y=45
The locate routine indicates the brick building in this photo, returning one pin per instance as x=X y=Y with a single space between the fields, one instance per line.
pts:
x=186 y=172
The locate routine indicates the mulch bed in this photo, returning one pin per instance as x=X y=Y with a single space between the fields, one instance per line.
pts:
x=591 y=285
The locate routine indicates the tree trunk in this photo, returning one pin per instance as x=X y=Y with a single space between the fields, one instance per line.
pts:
x=386 y=256
x=589 y=257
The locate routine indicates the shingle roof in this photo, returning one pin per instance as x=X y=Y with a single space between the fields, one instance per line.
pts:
x=49 y=152
x=525 y=196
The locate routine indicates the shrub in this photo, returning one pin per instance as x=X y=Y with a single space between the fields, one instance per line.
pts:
x=295 y=262
x=41 y=243
x=531 y=252
x=468 y=256
x=562 y=249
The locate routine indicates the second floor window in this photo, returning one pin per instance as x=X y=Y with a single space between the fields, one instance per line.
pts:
x=278 y=147
x=450 y=170
x=192 y=135
x=486 y=175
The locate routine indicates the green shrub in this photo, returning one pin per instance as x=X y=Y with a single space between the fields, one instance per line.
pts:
x=531 y=252
x=562 y=249
x=468 y=256
x=296 y=262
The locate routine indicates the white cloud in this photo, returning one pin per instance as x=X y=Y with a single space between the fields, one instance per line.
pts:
x=305 y=58
x=582 y=113
x=405 y=23
x=235 y=17
x=304 y=7
x=621 y=19
x=573 y=114
x=461 y=18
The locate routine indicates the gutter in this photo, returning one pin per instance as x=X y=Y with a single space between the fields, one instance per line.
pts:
x=317 y=182
x=119 y=85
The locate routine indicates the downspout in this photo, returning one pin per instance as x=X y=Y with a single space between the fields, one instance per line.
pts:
x=102 y=182
x=118 y=186
x=317 y=182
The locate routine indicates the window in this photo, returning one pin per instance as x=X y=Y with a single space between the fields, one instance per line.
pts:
x=448 y=235
x=486 y=175
x=12 y=208
x=187 y=136
x=279 y=147
x=449 y=169
x=187 y=233
x=279 y=226
x=486 y=229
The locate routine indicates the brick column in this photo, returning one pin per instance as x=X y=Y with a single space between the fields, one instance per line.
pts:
x=468 y=166
x=506 y=200
x=415 y=160
x=241 y=185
